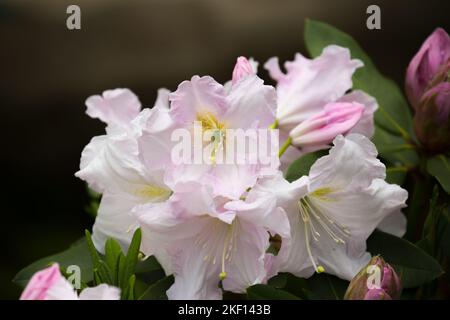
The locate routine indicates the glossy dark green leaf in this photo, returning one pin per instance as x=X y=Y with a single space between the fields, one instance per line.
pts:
x=394 y=114
x=396 y=175
x=414 y=265
x=157 y=291
x=326 y=287
x=439 y=167
x=266 y=292
x=77 y=254
x=394 y=149
x=301 y=166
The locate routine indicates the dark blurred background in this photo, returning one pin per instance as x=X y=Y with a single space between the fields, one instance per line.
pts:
x=47 y=72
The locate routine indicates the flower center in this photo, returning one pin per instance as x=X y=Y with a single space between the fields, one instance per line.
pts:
x=315 y=219
x=210 y=123
x=153 y=193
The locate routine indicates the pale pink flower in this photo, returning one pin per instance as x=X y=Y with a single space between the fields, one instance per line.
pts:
x=309 y=85
x=333 y=211
x=203 y=240
x=127 y=164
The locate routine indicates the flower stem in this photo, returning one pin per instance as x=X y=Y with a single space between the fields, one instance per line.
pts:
x=274 y=125
x=284 y=147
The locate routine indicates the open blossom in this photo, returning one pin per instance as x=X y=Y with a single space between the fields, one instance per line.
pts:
x=334 y=210
x=49 y=284
x=247 y=104
x=203 y=240
x=115 y=165
x=428 y=90
x=307 y=89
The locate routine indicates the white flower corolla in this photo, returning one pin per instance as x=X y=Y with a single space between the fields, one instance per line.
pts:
x=203 y=240
x=333 y=211
x=118 y=164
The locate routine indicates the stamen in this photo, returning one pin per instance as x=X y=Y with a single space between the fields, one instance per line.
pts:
x=311 y=213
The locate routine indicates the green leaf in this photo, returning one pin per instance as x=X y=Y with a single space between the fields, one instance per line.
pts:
x=396 y=175
x=112 y=253
x=128 y=293
x=93 y=251
x=413 y=265
x=266 y=292
x=157 y=291
x=326 y=287
x=301 y=166
x=150 y=264
x=394 y=149
x=393 y=114
x=132 y=257
x=439 y=167
x=77 y=254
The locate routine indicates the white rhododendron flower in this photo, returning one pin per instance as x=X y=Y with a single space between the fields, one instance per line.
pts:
x=113 y=165
x=334 y=209
x=203 y=239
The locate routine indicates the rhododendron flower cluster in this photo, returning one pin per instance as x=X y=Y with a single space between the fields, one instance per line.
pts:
x=211 y=224
x=218 y=227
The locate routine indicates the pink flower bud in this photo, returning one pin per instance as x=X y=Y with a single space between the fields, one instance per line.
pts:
x=432 y=118
x=376 y=281
x=336 y=118
x=426 y=64
x=40 y=283
x=242 y=69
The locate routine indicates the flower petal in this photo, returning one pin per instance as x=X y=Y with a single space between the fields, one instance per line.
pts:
x=100 y=292
x=201 y=95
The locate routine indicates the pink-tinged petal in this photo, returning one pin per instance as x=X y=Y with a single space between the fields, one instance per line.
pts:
x=114 y=107
x=165 y=233
x=394 y=223
x=309 y=84
x=154 y=139
x=49 y=284
x=273 y=66
x=293 y=256
x=111 y=163
x=336 y=118
x=377 y=294
x=435 y=51
x=242 y=69
x=41 y=282
x=162 y=99
x=100 y=292
x=352 y=162
x=198 y=264
x=365 y=125
x=246 y=265
x=230 y=180
x=251 y=100
x=199 y=96
x=262 y=212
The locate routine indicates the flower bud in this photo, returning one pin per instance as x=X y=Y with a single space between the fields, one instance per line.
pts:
x=336 y=118
x=432 y=118
x=376 y=281
x=426 y=64
x=242 y=69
